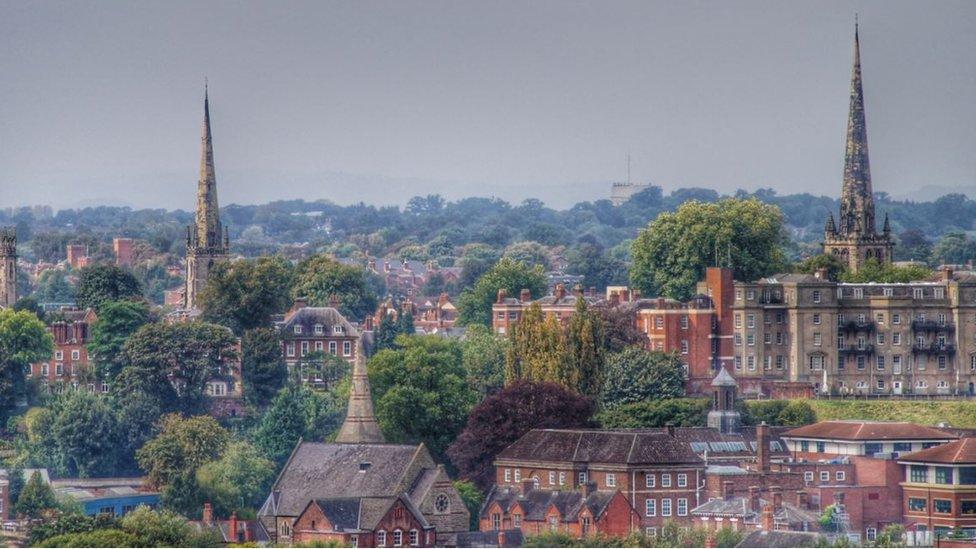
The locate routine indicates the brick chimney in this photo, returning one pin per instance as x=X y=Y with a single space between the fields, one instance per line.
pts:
x=527 y=486
x=232 y=527
x=777 y=495
x=614 y=298
x=754 y=498
x=762 y=447
x=207 y=513
x=299 y=303
x=501 y=296
x=525 y=295
x=442 y=299
x=767 y=518
x=588 y=488
x=821 y=273
x=728 y=489
x=578 y=290
x=333 y=301
x=560 y=291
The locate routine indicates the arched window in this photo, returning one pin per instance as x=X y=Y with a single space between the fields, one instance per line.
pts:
x=414 y=538
x=381 y=538
x=398 y=538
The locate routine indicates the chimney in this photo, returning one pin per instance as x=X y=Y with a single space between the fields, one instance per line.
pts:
x=946 y=273
x=560 y=291
x=442 y=299
x=333 y=301
x=578 y=290
x=754 y=498
x=821 y=273
x=801 y=498
x=368 y=323
x=614 y=298
x=525 y=295
x=762 y=447
x=232 y=527
x=501 y=296
x=777 y=494
x=588 y=488
x=207 y=513
x=527 y=486
x=727 y=489
x=767 y=518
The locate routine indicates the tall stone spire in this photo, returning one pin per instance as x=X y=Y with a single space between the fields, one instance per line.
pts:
x=206 y=239
x=856 y=203
x=360 y=426
x=854 y=239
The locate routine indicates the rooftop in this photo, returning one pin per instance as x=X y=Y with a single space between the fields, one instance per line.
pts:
x=962 y=451
x=868 y=430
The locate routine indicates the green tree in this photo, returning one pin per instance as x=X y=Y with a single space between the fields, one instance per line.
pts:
x=321 y=278
x=298 y=412
x=483 y=357
x=793 y=413
x=528 y=253
x=244 y=294
x=15 y=483
x=36 y=497
x=874 y=271
x=671 y=254
x=892 y=535
x=262 y=366
x=82 y=433
x=954 y=247
x=835 y=267
x=913 y=246
x=421 y=391
x=53 y=287
x=238 y=481
x=117 y=320
x=472 y=498
x=108 y=537
x=598 y=269
x=23 y=339
x=175 y=362
x=537 y=350
x=585 y=344
x=172 y=458
x=637 y=375
x=163 y=528
x=386 y=333
x=98 y=284
x=680 y=412
x=475 y=303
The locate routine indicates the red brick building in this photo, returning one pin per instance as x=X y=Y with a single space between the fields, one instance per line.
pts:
x=579 y=513
x=122 y=247
x=68 y=365
x=364 y=522
x=507 y=311
x=939 y=486
x=307 y=330
x=77 y=255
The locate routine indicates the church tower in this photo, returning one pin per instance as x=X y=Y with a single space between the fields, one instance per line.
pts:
x=8 y=267
x=854 y=238
x=206 y=240
x=360 y=426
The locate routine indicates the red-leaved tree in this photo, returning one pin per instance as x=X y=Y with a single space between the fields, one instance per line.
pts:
x=504 y=417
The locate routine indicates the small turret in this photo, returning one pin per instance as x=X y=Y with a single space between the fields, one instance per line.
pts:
x=724 y=416
x=830 y=228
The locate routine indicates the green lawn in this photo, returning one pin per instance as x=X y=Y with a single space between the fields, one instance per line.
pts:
x=957 y=413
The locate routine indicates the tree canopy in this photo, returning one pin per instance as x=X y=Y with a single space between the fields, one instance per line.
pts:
x=320 y=279
x=512 y=276
x=637 y=375
x=244 y=294
x=101 y=283
x=23 y=339
x=117 y=320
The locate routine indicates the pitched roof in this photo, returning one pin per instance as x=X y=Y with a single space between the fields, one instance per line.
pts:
x=957 y=451
x=332 y=470
x=869 y=430
x=595 y=446
x=308 y=317
x=724 y=379
x=760 y=538
x=535 y=503
x=342 y=513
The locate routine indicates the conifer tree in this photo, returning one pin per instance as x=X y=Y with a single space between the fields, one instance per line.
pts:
x=585 y=351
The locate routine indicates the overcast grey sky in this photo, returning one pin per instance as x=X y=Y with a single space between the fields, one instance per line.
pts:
x=377 y=101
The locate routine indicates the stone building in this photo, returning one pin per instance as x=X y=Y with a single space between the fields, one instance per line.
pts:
x=207 y=241
x=796 y=332
x=854 y=238
x=8 y=267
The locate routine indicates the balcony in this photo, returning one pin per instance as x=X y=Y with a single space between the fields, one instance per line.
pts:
x=853 y=326
x=933 y=326
x=934 y=349
x=863 y=350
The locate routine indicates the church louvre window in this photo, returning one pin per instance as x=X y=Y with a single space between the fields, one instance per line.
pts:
x=442 y=503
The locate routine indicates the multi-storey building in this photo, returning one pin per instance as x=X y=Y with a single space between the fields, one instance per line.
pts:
x=507 y=311
x=68 y=365
x=8 y=266
x=77 y=255
x=845 y=338
x=939 y=487
x=306 y=330
x=122 y=247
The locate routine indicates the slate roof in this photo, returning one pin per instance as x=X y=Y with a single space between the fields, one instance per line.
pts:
x=962 y=451
x=308 y=317
x=868 y=430
x=535 y=503
x=343 y=513
x=513 y=538
x=596 y=446
x=761 y=539
x=329 y=470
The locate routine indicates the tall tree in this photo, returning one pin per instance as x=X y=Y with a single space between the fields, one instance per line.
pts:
x=262 y=366
x=585 y=351
x=955 y=247
x=637 y=375
x=504 y=417
x=117 y=320
x=483 y=356
x=298 y=412
x=82 y=431
x=537 y=350
x=321 y=278
x=101 y=283
x=474 y=304
x=671 y=254
x=36 y=497
x=238 y=481
x=421 y=391
x=175 y=362
x=23 y=339
x=244 y=294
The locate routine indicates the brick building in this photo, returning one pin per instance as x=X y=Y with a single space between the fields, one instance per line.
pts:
x=507 y=311
x=939 y=486
x=305 y=330
x=122 y=247
x=68 y=365
x=364 y=522
x=579 y=513
x=77 y=255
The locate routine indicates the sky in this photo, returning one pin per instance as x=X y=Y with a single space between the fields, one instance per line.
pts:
x=101 y=102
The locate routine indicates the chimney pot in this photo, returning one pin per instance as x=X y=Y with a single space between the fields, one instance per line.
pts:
x=501 y=296
x=207 y=513
x=525 y=295
x=560 y=291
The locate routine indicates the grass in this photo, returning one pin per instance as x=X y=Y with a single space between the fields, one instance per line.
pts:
x=957 y=413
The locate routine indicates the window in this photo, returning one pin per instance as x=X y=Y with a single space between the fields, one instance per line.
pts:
x=381 y=538
x=738 y=364
x=738 y=320
x=611 y=480
x=902 y=447
x=824 y=476
x=666 y=480
x=896 y=338
x=738 y=339
x=895 y=318
x=918 y=293
x=76 y=354
x=684 y=346
x=649 y=480
x=59 y=369
x=650 y=507
x=840 y=475
x=880 y=361
x=821 y=447
x=750 y=294
x=684 y=322
x=750 y=320
x=318 y=329
x=941 y=506
x=332 y=348
x=442 y=503
x=805 y=447
x=880 y=384
x=942 y=365
x=346 y=348
x=816 y=318
x=816 y=297
x=582 y=478
x=916 y=504
x=808 y=476
x=562 y=478
x=871 y=534
x=58 y=355
x=665 y=507
x=751 y=362
x=45 y=369
x=779 y=362
x=304 y=348
x=682 y=480
x=584 y=525
x=518 y=475
x=319 y=346
x=508 y=475
x=552 y=478
x=682 y=507
x=398 y=534
x=938 y=293
x=414 y=538
x=651 y=531
x=861 y=362
x=496 y=522
x=298 y=328
x=516 y=520
x=816 y=362
x=290 y=348
x=750 y=339
x=880 y=338
x=943 y=475
x=859 y=294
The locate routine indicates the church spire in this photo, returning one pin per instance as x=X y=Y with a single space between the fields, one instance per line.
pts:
x=856 y=202
x=360 y=426
x=208 y=232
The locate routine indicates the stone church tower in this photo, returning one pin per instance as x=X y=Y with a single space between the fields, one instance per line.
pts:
x=855 y=238
x=360 y=426
x=206 y=240
x=8 y=267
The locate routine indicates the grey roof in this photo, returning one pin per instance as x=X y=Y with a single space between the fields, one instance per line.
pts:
x=513 y=538
x=724 y=379
x=596 y=446
x=319 y=470
x=760 y=539
x=724 y=507
x=535 y=503
x=308 y=317
x=343 y=513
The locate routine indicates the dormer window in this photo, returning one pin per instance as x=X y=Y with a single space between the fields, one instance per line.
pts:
x=318 y=329
x=364 y=466
x=337 y=329
x=298 y=329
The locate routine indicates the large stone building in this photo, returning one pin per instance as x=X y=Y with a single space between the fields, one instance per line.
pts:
x=206 y=240
x=854 y=238
x=8 y=266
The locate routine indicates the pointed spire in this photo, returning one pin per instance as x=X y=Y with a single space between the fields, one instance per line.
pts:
x=887 y=225
x=208 y=231
x=830 y=228
x=360 y=426
x=856 y=202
